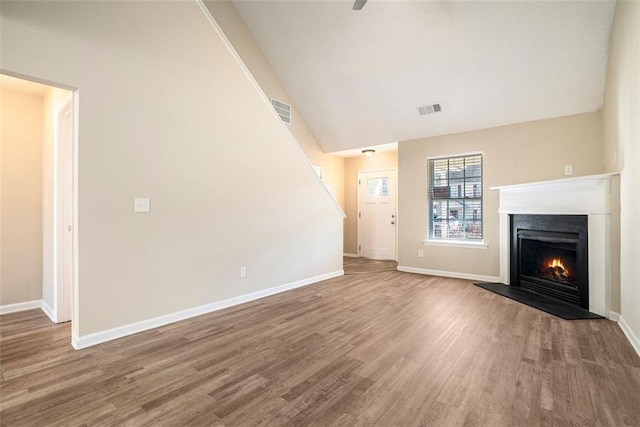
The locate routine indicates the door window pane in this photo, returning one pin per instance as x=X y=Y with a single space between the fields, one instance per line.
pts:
x=377 y=187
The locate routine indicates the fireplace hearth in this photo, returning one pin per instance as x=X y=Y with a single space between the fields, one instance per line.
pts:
x=549 y=256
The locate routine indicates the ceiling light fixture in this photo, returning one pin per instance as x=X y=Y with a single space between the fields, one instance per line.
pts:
x=368 y=152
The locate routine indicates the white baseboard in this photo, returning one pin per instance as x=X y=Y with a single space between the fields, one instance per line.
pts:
x=453 y=274
x=351 y=255
x=628 y=332
x=29 y=305
x=20 y=306
x=50 y=312
x=613 y=316
x=80 y=342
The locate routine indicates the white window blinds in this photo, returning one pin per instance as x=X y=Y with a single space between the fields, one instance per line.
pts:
x=455 y=198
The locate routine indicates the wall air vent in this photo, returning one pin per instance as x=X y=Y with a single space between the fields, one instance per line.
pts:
x=429 y=109
x=283 y=110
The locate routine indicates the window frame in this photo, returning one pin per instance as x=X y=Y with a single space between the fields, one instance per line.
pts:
x=460 y=242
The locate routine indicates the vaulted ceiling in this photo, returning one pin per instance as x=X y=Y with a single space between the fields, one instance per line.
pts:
x=357 y=77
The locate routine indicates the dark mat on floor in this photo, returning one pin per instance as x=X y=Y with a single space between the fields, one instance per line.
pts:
x=541 y=302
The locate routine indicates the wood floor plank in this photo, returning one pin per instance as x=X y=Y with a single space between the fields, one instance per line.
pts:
x=374 y=347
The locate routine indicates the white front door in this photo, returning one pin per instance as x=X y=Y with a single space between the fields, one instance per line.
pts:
x=377 y=216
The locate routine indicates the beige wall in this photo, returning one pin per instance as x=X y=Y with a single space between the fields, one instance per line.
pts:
x=353 y=165
x=621 y=115
x=525 y=152
x=21 y=197
x=166 y=113
x=234 y=28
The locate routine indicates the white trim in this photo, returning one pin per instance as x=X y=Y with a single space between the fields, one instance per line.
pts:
x=613 y=316
x=456 y=244
x=552 y=210
x=358 y=214
x=75 y=300
x=628 y=332
x=19 y=306
x=50 y=312
x=555 y=181
x=36 y=80
x=453 y=274
x=351 y=255
x=446 y=156
x=63 y=255
x=133 y=328
x=265 y=99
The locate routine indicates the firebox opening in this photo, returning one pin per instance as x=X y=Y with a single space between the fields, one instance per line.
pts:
x=549 y=256
x=555 y=262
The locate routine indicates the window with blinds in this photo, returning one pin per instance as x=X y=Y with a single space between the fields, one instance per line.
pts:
x=455 y=198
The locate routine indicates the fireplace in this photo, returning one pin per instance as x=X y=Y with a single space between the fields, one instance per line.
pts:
x=549 y=255
x=585 y=196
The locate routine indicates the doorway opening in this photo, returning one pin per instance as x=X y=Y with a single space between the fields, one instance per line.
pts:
x=39 y=196
x=377 y=214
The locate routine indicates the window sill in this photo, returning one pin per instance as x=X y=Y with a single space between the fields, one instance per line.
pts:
x=456 y=244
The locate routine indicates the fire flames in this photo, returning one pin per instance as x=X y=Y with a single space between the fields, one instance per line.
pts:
x=554 y=263
x=555 y=270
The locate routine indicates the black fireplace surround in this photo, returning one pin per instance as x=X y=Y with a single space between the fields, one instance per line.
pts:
x=549 y=255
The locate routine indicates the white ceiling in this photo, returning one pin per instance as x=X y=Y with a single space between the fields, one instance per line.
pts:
x=358 y=76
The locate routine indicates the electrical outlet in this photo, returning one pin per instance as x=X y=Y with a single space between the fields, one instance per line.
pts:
x=568 y=170
x=420 y=253
x=141 y=205
x=243 y=272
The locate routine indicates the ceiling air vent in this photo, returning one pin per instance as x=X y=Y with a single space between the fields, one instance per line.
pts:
x=429 y=109
x=283 y=110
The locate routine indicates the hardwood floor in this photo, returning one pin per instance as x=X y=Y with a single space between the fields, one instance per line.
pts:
x=364 y=265
x=381 y=348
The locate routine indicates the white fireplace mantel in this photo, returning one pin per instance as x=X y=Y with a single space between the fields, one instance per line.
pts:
x=584 y=195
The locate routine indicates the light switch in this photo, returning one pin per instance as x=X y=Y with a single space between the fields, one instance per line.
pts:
x=142 y=205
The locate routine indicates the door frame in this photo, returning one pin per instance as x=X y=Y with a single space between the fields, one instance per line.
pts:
x=75 y=104
x=63 y=254
x=358 y=205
